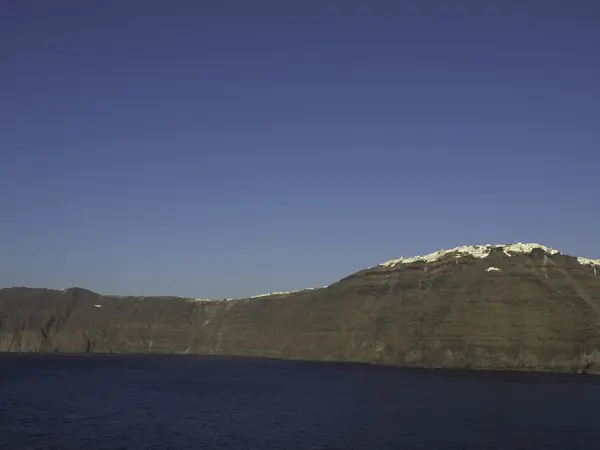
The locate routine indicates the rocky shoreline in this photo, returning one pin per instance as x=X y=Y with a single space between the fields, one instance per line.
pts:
x=539 y=311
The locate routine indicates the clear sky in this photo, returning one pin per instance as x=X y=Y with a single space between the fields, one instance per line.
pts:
x=227 y=148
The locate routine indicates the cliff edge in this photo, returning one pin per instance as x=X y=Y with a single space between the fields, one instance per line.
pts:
x=517 y=306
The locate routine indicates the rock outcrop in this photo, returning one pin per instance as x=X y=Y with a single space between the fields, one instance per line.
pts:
x=520 y=306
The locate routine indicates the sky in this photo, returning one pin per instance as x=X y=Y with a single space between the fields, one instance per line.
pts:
x=223 y=148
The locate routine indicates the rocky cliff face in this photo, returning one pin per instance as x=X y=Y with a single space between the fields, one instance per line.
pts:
x=500 y=307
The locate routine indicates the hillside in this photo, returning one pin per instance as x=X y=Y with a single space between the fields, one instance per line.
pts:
x=518 y=306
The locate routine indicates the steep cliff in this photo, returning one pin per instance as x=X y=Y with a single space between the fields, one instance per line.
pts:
x=520 y=306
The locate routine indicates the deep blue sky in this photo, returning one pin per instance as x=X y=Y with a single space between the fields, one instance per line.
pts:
x=227 y=148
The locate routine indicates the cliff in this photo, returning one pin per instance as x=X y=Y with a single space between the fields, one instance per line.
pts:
x=520 y=306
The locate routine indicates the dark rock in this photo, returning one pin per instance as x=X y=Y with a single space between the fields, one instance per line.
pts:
x=528 y=311
x=537 y=253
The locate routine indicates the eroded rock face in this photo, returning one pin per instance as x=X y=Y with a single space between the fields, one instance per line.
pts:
x=530 y=310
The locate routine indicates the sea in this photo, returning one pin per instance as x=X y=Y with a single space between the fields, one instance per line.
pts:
x=186 y=402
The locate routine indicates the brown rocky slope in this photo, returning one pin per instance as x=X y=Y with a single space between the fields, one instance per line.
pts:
x=520 y=306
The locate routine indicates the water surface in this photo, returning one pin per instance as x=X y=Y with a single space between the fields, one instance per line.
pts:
x=107 y=402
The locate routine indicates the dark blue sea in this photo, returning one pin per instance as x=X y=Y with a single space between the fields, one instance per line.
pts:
x=144 y=402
